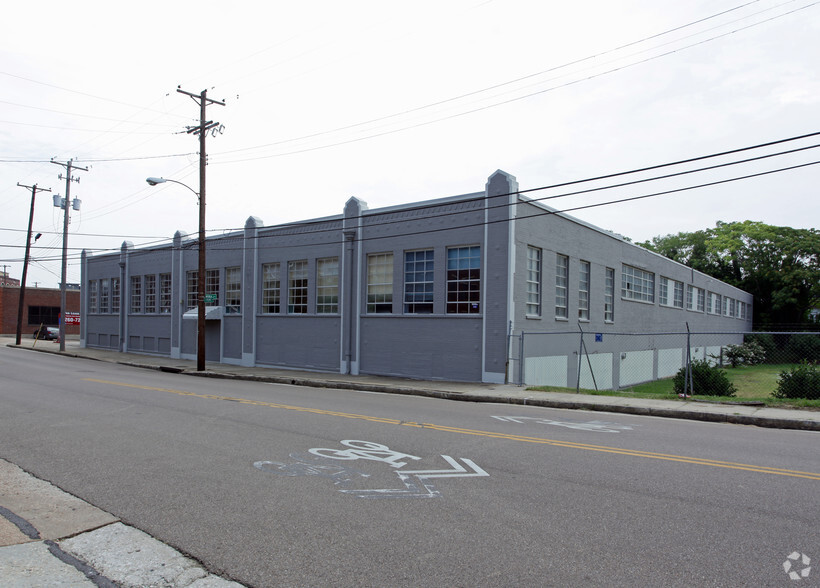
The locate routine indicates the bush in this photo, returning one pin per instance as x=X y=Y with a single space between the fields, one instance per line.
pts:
x=750 y=353
x=801 y=381
x=803 y=347
x=766 y=342
x=707 y=380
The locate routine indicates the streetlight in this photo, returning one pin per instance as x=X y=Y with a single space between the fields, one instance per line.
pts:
x=200 y=279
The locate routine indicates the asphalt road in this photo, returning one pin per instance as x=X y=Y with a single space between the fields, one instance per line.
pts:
x=256 y=481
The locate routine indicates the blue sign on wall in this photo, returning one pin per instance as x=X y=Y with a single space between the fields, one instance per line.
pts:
x=599 y=337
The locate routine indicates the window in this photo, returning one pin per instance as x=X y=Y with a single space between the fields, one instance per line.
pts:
x=561 y=282
x=192 y=288
x=670 y=292
x=136 y=294
x=150 y=284
x=695 y=298
x=677 y=295
x=92 y=296
x=725 y=306
x=533 y=281
x=271 y=288
x=732 y=307
x=105 y=293
x=115 y=295
x=233 y=290
x=327 y=286
x=297 y=287
x=165 y=293
x=464 y=280
x=609 y=296
x=713 y=303
x=380 y=283
x=583 y=291
x=44 y=315
x=212 y=287
x=418 y=281
x=637 y=284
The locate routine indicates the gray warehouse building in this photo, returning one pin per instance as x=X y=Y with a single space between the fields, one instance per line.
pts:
x=442 y=289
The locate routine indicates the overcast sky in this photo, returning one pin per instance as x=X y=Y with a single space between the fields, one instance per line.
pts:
x=396 y=103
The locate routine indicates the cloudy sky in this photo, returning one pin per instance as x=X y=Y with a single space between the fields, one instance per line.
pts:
x=395 y=103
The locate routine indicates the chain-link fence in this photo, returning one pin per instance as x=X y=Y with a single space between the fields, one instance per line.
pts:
x=753 y=363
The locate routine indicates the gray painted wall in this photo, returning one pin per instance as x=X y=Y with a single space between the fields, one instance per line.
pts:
x=477 y=346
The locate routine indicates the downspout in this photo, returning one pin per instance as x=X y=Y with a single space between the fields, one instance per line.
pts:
x=350 y=303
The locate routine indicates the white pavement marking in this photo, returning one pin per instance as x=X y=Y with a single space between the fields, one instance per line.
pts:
x=365 y=450
x=415 y=484
x=594 y=426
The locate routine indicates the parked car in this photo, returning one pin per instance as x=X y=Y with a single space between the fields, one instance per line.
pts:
x=47 y=333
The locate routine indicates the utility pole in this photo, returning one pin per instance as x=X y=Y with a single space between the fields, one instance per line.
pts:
x=201 y=130
x=68 y=179
x=20 y=304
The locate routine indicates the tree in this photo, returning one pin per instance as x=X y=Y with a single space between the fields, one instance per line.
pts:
x=779 y=266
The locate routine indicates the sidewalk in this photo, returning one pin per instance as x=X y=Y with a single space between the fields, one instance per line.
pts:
x=51 y=538
x=741 y=414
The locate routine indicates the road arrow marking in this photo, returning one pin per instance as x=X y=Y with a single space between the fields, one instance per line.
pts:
x=414 y=481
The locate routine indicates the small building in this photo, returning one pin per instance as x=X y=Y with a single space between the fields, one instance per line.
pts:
x=439 y=289
x=41 y=307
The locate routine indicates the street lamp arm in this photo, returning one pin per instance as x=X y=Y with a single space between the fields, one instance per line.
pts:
x=154 y=181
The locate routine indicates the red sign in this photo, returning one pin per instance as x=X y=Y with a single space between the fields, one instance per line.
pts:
x=72 y=318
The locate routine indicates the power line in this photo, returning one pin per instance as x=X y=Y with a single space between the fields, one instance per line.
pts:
x=481 y=108
x=487 y=89
x=434 y=205
x=546 y=212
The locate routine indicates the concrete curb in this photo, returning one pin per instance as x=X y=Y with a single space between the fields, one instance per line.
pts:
x=716 y=414
x=713 y=417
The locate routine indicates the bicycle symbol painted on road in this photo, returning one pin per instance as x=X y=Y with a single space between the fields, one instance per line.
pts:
x=416 y=483
x=365 y=450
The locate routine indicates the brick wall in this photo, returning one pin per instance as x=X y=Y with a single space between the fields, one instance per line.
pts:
x=9 y=301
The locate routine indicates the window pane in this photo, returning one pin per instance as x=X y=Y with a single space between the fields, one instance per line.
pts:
x=533 y=281
x=380 y=283
x=637 y=284
x=233 y=290
x=464 y=280
x=104 y=294
x=561 y=284
x=418 y=282
x=165 y=293
x=583 y=291
x=609 y=295
x=327 y=286
x=297 y=287
x=271 y=288
x=136 y=294
x=150 y=283
x=192 y=283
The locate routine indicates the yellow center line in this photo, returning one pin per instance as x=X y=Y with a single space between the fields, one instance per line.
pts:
x=490 y=434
